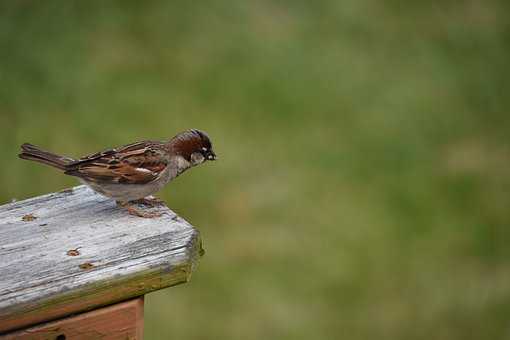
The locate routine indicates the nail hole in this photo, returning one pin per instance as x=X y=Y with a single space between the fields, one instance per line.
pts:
x=73 y=252
x=61 y=337
x=28 y=217
x=86 y=266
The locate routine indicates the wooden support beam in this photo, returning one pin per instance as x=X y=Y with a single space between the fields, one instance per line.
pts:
x=117 y=322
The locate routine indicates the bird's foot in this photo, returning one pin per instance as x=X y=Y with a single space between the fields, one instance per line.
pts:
x=150 y=201
x=134 y=210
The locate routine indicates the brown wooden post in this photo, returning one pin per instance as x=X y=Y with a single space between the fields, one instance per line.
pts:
x=123 y=320
x=74 y=266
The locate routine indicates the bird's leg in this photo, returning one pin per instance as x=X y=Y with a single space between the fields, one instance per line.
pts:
x=134 y=210
x=150 y=201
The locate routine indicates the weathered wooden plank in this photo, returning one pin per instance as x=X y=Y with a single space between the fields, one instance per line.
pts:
x=121 y=321
x=75 y=250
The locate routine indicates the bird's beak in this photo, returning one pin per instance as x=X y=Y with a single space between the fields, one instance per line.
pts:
x=212 y=156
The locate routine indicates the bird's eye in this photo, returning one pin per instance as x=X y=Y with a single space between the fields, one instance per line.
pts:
x=204 y=149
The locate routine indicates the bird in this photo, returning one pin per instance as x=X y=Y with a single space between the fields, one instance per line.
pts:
x=132 y=173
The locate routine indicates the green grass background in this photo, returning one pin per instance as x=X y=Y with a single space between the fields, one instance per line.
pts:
x=363 y=185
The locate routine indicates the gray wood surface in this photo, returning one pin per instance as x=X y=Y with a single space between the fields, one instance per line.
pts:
x=75 y=250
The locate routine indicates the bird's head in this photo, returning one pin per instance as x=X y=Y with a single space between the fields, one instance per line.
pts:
x=194 y=146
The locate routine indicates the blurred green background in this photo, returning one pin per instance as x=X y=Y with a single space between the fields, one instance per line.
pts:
x=363 y=185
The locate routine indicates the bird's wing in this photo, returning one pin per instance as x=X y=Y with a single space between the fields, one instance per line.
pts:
x=136 y=163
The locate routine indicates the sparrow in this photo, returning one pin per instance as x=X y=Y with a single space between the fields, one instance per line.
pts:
x=134 y=172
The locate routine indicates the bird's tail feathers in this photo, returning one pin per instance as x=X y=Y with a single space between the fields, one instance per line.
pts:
x=33 y=153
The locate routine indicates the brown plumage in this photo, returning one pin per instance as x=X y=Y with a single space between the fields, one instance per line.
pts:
x=132 y=171
x=136 y=163
x=33 y=153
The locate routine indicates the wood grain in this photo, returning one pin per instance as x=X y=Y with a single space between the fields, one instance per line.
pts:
x=77 y=251
x=117 y=322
